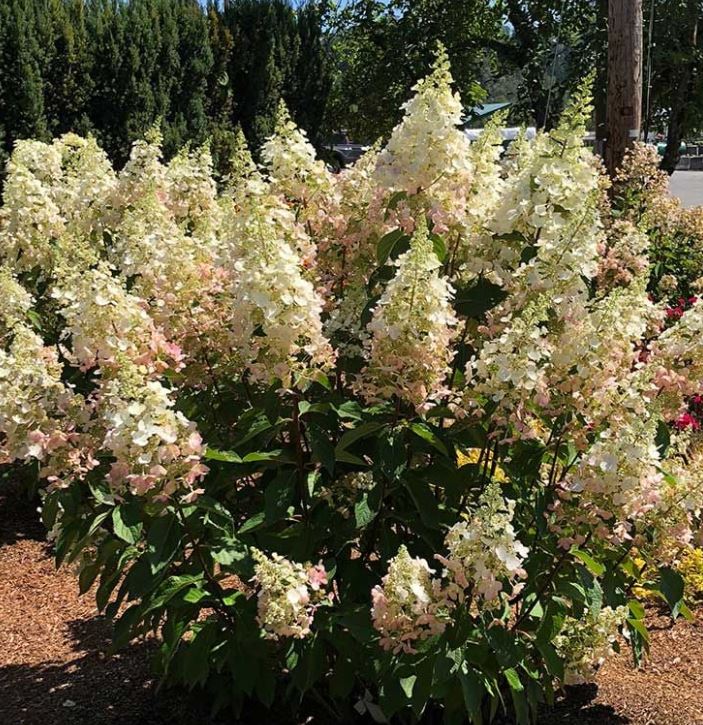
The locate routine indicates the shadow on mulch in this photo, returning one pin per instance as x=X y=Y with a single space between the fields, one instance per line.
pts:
x=576 y=708
x=94 y=688
x=19 y=518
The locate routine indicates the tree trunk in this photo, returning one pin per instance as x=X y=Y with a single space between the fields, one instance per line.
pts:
x=624 y=107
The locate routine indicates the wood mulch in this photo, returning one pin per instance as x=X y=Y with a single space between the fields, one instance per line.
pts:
x=55 y=670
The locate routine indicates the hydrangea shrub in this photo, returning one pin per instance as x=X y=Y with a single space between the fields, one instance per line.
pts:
x=393 y=442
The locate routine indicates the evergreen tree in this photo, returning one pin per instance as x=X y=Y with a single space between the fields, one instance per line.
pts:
x=21 y=92
x=312 y=82
x=265 y=55
x=188 y=119
x=115 y=67
x=220 y=107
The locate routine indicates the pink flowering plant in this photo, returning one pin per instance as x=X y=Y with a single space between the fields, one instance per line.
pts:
x=390 y=443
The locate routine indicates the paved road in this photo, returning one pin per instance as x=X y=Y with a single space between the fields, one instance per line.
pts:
x=688 y=186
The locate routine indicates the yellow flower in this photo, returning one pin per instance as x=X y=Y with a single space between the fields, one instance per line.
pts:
x=472 y=455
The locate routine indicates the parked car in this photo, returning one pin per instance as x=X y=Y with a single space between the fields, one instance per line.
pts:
x=342 y=151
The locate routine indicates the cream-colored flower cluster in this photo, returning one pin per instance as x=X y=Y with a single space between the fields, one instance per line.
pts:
x=584 y=644
x=295 y=170
x=412 y=328
x=410 y=604
x=288 y=595
x=427 y=147
x=484 y=551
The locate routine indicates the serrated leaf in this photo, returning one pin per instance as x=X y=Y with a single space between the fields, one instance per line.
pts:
x=363 y=514
x=252 y=523
x=671 y=587
x=407 y=684
x=213 y=454
x=395 y=199
x=474 y=301
x=439 y=247
x=126 y=523
x=162 y=540
x=355 y=434
x=591 y=564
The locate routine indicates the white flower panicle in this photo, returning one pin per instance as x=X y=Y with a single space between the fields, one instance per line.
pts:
x=290 y=158
x=547 y=218
x=281 y=304
x=30 y=220
x=410 y=605
x=288 y=595
x=15 y=303
x=192 y=192
x=427 y=145
x=484 y=552
x=413 y=325
x=617 y=481
x=584 y=644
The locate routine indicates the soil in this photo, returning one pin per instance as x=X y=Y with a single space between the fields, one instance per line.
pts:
x=55 y=669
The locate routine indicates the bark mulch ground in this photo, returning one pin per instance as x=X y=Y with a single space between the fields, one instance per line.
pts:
x=54 y=669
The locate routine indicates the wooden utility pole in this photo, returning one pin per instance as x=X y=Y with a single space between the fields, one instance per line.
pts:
x=624 y=105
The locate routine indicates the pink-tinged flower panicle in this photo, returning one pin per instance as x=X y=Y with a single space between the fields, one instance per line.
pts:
x=105 y=324
x=288 y=595
x=157 y=450
x=484 y=552
x=409 y=605
x=584 y=644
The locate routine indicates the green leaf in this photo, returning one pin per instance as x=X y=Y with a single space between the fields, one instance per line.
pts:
x=476 y=300
x=323 y=451
x=87 y=576
x=440 y=248
x=229 y=551
x=591 y=564
x=310 y=666
x=162 y=541
x=671 y=587
x=279 y=495
x=252 y=523
x=348 y=409
x=126 y=522
x=386 y=244
x=424 y=432
x=355 y=434
x=259 y=456
x=407 y=684
x=517 y=691
x=395 y=199
x=554 y=664
x=663 y=438
x=346 y=457
x=686 y=613
x=213 y=454
x=472 y=691
x=637 y=608
x=363 y=514
x=640 y=627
